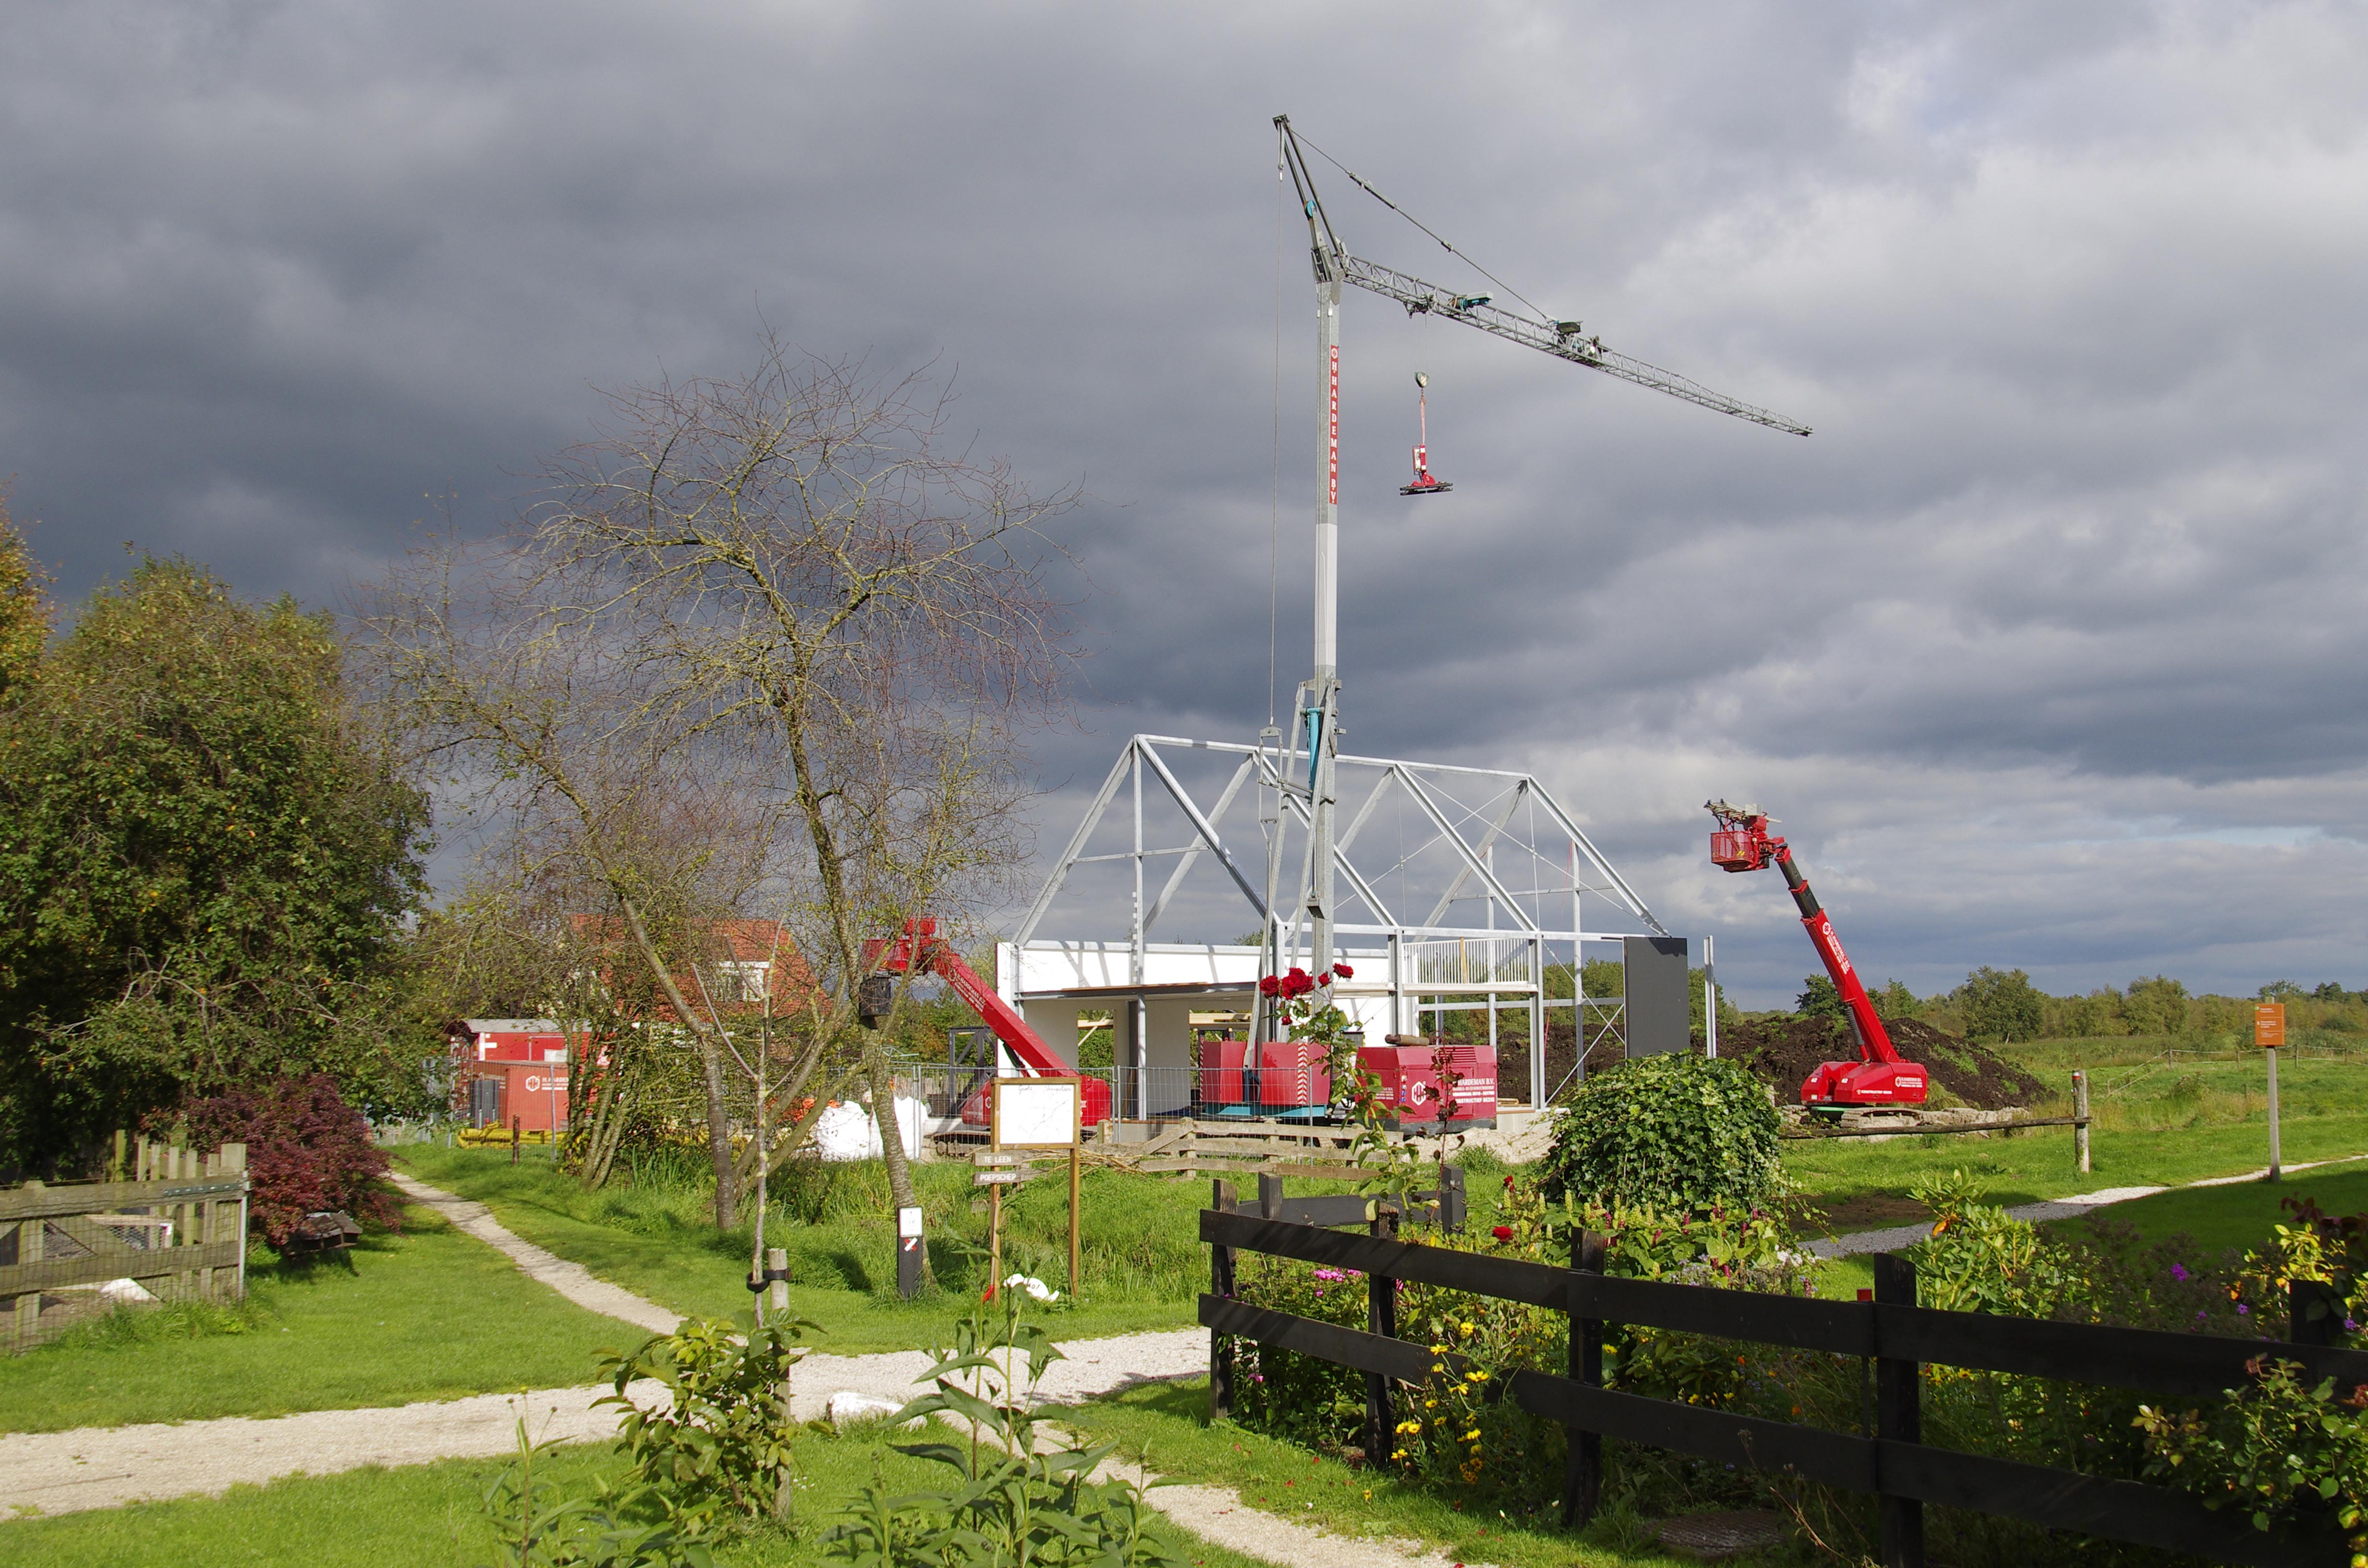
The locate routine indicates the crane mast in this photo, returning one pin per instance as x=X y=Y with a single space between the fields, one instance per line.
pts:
x=1319 y=701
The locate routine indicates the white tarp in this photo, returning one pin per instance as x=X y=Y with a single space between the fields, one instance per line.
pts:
x=844 y=1131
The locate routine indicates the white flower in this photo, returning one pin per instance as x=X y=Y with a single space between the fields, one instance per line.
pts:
x=1034 y=1286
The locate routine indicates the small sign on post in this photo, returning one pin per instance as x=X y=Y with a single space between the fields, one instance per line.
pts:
x=908 y=1252
x=2268 y=1033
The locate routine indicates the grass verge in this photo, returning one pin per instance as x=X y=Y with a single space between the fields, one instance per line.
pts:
x=1166 y=1426
x=1143 y=1261
x=429 y=1516
x=430 y=1313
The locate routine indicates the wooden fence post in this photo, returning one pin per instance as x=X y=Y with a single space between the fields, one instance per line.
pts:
x=1583 y=1469
x=1899 y=1417
x=2313 y=1312
x=2080 y=1120
x=1221 y=1285
x=1381 y=1318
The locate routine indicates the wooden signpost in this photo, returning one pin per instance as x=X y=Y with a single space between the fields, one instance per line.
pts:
x=2268 y=1033
x=1028 y=1113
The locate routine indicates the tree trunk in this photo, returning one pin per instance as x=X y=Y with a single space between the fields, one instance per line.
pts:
x=892 y=1140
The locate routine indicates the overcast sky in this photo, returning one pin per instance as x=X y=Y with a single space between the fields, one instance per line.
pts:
x=2045 y=648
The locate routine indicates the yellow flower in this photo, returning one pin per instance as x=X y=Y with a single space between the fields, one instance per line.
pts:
x=1466 y=1331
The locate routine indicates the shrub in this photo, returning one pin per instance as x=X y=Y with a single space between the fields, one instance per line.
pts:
x=718 y=1456
x=1016 y=1499
x=306 y=1151
x=1669 y=1131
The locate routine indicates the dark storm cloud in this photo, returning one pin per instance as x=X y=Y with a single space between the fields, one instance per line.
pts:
x=2050 y=628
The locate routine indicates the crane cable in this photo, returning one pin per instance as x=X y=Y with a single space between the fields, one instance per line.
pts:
x=1444 y=245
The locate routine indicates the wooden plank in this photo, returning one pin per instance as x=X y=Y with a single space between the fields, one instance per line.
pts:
x=1509 y=1278
x=97 y=1197
x=1347 y=1210
x=2088 y=1505
x=2152 y=1360
x=1399 y=1359
x=2118 y=1510
x=1846 y=1328
x=1746 y=1441
x=52 y=1274
x=1935 y=1132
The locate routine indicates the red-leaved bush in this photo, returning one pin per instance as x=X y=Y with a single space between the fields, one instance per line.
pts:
x=306 y=1151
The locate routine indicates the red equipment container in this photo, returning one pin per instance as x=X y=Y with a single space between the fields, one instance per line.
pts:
x=1291 y=1075
x=1410 y=1090
x=1218 y=1081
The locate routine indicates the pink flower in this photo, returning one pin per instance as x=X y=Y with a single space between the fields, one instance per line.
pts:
x=1502 y=1232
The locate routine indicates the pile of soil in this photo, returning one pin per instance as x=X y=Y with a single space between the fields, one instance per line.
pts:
x=1783 y=1052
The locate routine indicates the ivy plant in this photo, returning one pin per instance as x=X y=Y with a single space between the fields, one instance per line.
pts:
x=1675 y=1132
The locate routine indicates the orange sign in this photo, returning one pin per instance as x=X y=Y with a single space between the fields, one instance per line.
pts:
x=2269 y=1025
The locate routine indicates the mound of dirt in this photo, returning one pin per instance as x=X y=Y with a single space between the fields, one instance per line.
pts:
x=1783 y=1052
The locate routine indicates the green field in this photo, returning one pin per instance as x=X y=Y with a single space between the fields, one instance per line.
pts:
x=430 y=1313
x=429 y=1516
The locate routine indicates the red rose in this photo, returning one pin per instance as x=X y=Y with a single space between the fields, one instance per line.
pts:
x=1297 y=972
x=1299 y=982
x=1344 y=972
x=1269 y=986
x=1324 y=978
x=1503 y=1233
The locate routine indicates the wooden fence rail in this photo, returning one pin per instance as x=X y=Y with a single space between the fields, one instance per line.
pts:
x=180 y=1231
x=1890 y=1331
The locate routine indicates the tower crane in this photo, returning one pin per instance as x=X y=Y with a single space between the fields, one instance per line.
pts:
x=1319 y=698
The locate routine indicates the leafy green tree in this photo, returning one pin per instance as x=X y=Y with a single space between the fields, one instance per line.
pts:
x=24 y=606
x=2001 y=1005
x=2156 y=1006
x=2282 y=991
x=2328 y=991
x=204 y=867
x=1894 y=1001
x=1820 y=1000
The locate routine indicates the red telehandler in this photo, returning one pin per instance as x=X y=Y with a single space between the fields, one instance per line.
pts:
x=1879 y=1076
x=920 y=946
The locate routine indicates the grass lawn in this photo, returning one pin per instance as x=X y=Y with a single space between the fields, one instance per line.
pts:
x=427 y=1314
x=429 y=1516
x=2157 y=1125
x=1167 y=1423
x=2219 y=1218
x=1143 y=1261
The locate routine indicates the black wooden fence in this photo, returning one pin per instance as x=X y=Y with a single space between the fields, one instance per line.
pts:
x=1891 y=1331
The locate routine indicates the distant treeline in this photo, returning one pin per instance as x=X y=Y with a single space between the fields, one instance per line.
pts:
x=2002 y=1005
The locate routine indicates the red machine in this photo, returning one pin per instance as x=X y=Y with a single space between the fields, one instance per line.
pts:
x=1287 y=1080
x=1425 y=482
x=1409 y=1069
x=1742 y=842
x=921 y=946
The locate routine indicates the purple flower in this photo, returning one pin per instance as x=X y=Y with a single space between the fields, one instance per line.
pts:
x=2349 y=1326
x=2243 y=1311
x=2179 y=1273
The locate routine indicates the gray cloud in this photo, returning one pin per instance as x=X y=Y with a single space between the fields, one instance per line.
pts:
x=2045 y=645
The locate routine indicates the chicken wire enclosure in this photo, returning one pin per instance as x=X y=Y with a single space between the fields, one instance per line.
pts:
x=1456 y=890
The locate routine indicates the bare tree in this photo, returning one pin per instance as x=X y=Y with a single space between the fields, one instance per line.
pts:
x=597 y=781
x=805 y=561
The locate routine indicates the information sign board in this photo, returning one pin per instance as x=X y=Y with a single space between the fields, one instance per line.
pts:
x=2269 y=1025
x=1036 y=1113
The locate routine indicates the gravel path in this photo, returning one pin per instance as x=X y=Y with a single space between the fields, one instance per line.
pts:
x=1895 y=1236
x=572 y=1280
